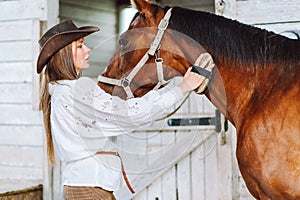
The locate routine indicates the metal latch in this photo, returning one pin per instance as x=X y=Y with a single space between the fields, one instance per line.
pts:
x=217 y=121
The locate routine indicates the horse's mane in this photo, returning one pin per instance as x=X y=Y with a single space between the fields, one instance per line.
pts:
x=237 y=42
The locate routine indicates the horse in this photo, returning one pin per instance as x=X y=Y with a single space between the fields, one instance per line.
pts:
x=255 y=84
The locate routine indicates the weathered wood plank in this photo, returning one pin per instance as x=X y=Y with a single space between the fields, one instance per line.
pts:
x=224 y=167
x=235 y=170
x=19 y=115
x=257 y=11
x=282 y=28
x=196 y=103
x=211 y=169
x=16 y=72
x=204 y=5
x=15 y=51
x=208 y=107
x=25 y=9
x=183 y=178
x=183 y=166
x=9 y=185
x=226 y=8
x=90 y=4
x=154 y=190
x=140 y=196
x=198 y=174
x=101 y=45
x=80 y=13
x=16 y=93
x=21 y=136
x=154 y=146
x=36 y=29
x=101 y=54
x=20 y=173
x=132 y=147
x=15 y=30
x=21 y=156
x=174 y=154
x=57 y=181
x=169 y=184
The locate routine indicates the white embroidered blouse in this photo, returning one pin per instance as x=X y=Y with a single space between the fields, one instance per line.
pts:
x=83 y=117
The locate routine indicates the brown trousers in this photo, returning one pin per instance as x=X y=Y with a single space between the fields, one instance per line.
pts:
x=87 y=193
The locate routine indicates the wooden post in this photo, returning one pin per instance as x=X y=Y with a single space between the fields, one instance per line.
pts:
x=227 y=8
x=36 y=28
x=51 y=184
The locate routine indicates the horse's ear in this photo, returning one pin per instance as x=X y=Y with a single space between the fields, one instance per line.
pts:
x=143 y=6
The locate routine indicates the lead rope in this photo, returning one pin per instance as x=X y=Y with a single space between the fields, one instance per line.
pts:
x=115 y=153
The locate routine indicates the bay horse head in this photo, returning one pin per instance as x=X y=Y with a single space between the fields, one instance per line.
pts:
x=256 y=85
x=145 y=58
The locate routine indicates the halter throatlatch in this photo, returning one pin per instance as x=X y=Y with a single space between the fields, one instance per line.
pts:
x=155 y=45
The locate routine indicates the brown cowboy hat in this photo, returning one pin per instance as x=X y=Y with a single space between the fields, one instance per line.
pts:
x=58 y=37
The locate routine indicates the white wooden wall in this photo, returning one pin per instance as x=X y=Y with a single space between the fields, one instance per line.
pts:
x=188 y=162
x=21 y=132
x=277 y=15
x=208 y=169
x=204 y=5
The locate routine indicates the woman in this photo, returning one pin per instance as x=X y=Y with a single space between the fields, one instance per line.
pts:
x=79 y=117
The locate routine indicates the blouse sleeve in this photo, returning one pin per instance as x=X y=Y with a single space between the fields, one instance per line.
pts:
x=114 y=115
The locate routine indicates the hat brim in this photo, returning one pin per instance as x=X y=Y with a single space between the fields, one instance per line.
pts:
x=59 y=41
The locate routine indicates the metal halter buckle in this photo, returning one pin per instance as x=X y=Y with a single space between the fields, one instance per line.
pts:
x=125 y=82
x=163 y=24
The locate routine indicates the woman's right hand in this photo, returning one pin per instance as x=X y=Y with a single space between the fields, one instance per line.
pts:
x=190 y=81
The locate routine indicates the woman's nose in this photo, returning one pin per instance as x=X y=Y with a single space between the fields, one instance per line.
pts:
x=87 y=49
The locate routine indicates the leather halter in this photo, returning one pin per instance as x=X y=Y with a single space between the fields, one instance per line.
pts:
x=155 y=45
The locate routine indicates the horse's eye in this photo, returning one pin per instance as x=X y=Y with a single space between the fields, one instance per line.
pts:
x=123 y=42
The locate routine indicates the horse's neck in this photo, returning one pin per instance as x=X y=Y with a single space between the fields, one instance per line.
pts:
x=232 y=86
x=231 y=91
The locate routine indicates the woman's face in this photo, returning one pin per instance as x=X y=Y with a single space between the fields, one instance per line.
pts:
x=80 y=55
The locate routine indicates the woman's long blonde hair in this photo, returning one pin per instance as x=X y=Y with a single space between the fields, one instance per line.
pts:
x=60 y=67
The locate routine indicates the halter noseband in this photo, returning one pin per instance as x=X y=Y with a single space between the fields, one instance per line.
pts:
x=155 y=45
